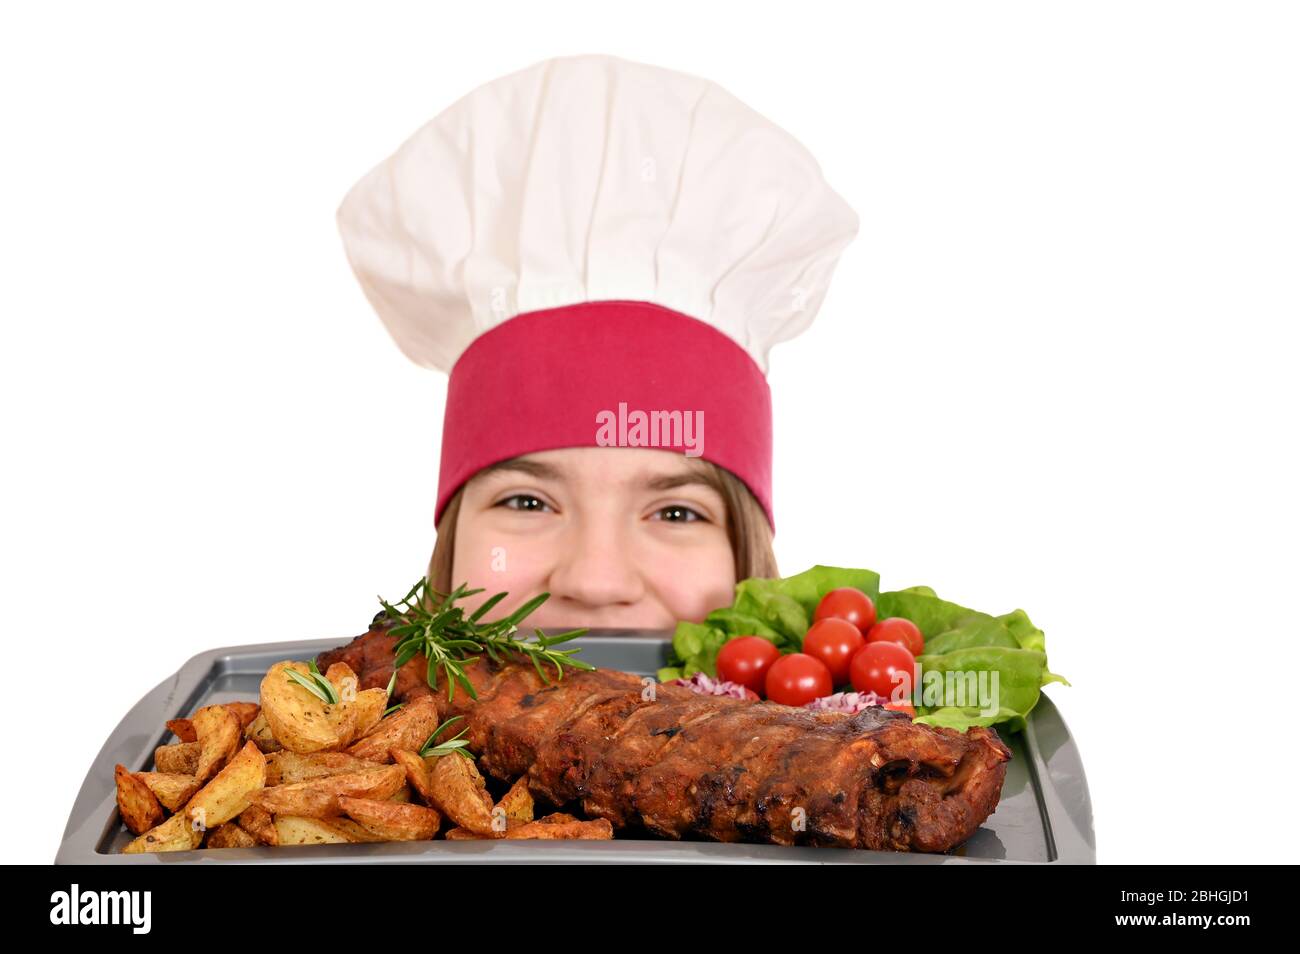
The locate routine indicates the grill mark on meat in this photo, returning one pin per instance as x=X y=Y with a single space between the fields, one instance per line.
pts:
x=687 y=765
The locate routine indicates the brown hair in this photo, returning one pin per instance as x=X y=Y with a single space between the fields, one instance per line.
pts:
x=747 y=530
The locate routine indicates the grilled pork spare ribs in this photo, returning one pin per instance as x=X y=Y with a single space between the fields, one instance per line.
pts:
x=684 y=765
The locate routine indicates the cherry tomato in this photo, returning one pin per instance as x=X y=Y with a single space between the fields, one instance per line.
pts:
x=834 y=641
x=904 y=707
x=797 y=679
x=850 y=604
x=874 y=666
x=895 y=629
x=745 y=660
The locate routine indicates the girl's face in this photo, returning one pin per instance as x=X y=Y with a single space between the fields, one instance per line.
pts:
x=619 y=536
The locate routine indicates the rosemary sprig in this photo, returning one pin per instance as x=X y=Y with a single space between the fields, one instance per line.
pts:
x=392 y=682
x=315 y=683
x=426 y=621
x=454 y=744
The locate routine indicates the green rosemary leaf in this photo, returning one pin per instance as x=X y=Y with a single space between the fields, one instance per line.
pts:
x=561 y=637
x=487 y=604
x=407 y=598
x=578 y=663
x=449 y=745
x=312 y=686
x=444 y=748
x=326 y=687
x=469 y=686
x=471 y=644
x=518 y=615
x=444 y=725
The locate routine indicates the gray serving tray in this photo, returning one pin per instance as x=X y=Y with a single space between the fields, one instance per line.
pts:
x=1045 y=815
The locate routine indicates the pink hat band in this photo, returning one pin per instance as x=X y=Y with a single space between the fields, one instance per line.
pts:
x=607 y=373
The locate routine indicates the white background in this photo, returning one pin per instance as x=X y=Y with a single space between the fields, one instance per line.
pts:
x=1056 y=370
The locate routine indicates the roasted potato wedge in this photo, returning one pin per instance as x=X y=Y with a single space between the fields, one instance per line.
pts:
x=299 y=720
x=392 y=821
x=259 y=731
x=344 y=680
x=218 y=731
x=556 y=818
x=355 y=831
x=245 y=712
x=229 y=791
x=299 y=830
x=408 y=728
x=417 y=773
x=183 y=729
x=257 y=821
x=318 y=798
x=229 y=835
x=358 y=715
x=180 y=758
x=347 y=716
x=368 y=708
x=285 y=767
x=458 y=791
x=599 y=829
x=172 y=789
x=136 y=802
x=464 y=834
x=518 y=802
x=175 y=834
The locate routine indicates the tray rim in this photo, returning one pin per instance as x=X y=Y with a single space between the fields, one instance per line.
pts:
x=1070 y=839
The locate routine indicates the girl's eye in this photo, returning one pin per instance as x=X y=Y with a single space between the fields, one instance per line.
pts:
x=526 y=502
x=676 y=513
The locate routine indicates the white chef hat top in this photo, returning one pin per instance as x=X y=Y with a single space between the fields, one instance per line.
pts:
x=590 y=178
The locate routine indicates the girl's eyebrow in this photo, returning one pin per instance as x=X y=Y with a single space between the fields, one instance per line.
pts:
x=673 y=481
x=543 y=471
x=532 y=468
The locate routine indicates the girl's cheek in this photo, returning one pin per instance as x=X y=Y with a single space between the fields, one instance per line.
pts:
x=694 y=586
x=496 y=565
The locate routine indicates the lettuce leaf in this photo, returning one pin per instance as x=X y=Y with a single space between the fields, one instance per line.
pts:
x=807 y=588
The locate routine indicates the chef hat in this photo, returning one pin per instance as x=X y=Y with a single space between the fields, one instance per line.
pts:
x=591 y=237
